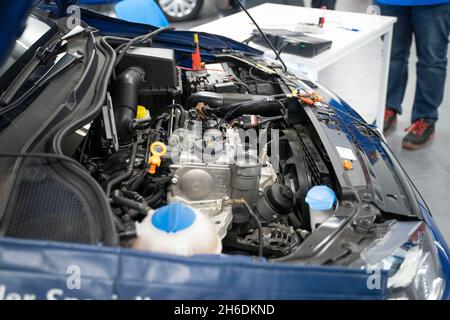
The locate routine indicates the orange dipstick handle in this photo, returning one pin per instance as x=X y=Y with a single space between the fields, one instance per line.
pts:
x=158 y=150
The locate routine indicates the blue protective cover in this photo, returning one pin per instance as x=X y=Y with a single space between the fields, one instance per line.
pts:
x=141 y=11
x=46 y=270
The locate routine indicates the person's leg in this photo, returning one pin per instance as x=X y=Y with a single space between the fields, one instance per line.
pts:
x=329 y=4
x=316 y=3
x=431 y=25
x=401 y=44
x=294 y=2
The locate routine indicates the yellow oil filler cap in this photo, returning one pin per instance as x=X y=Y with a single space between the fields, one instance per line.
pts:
x=142 y=113
x=158 y=150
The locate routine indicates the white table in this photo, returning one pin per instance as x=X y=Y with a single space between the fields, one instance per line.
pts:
x=345 y=42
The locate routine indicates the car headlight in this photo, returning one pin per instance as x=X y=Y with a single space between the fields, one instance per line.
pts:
x=409 y=255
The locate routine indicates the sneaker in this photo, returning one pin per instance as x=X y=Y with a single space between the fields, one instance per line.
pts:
x=419 y=133
x=390 y=119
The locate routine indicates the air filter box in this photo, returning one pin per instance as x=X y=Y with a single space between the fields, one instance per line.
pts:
x=162 y=75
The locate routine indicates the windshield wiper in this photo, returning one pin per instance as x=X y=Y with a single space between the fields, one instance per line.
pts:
x=42 y=55
x=62 y=64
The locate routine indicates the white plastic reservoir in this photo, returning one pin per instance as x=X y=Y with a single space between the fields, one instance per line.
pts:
x=321 y=201
x=178 y=229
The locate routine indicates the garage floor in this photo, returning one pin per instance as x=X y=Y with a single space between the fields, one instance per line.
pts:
x=356 y=80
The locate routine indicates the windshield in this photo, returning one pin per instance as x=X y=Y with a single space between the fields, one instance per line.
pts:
x=35 y=30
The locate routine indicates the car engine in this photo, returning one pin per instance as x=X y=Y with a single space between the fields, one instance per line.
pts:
x=227 y=140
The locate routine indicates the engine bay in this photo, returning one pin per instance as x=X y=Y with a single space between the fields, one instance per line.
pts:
x=136 y=141
x=227 y=140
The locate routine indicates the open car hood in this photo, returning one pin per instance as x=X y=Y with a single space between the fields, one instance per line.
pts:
x=12 y=12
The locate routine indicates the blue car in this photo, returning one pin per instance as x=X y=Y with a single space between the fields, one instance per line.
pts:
x=147 y=163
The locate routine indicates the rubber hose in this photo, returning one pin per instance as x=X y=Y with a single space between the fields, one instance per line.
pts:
x=125 y=101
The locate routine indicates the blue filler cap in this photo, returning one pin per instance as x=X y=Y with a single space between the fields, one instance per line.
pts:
x=173 y=218
x=320 y=198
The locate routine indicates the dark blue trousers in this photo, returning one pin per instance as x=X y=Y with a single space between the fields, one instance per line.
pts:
x=330 y=4
x=430 y=26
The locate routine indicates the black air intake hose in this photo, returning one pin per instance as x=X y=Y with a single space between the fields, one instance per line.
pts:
x=125 y=99
x=266 y=108
x=242 y=103
x=218 y=100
